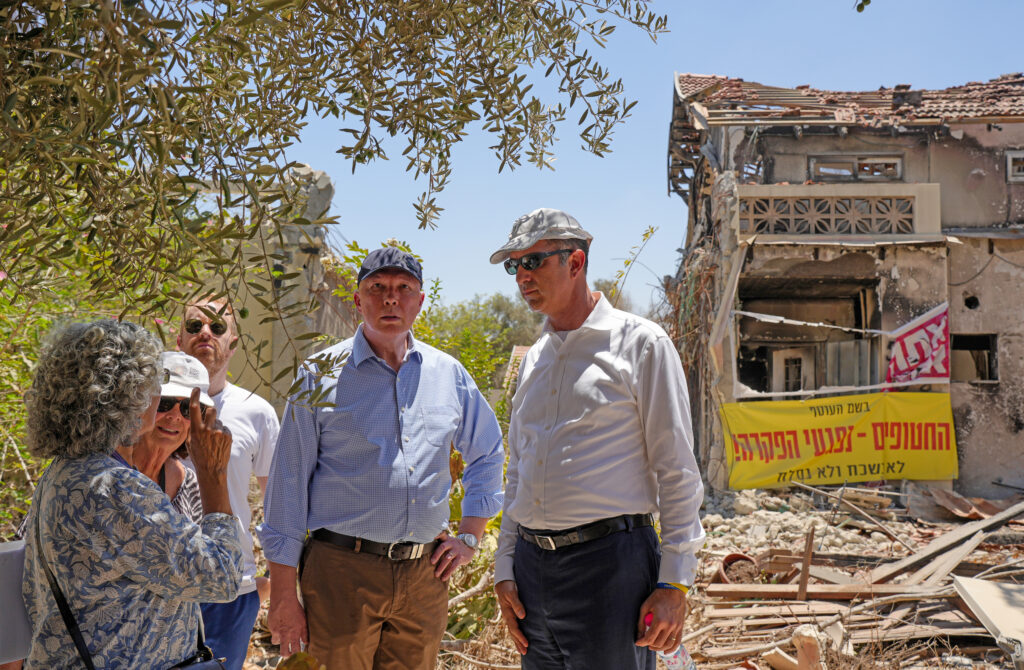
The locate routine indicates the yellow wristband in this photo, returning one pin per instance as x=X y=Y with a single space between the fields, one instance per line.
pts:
x=674 y=585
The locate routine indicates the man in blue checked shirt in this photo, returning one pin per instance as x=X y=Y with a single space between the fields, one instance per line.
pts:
x=366 y=473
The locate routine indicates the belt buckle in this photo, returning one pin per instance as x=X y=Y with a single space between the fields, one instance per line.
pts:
x=414 y=551
x=545 y=542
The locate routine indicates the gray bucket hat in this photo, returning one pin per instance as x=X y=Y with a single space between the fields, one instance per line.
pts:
x=540 y=224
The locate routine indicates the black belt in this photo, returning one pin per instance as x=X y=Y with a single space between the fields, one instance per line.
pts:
x=396 y=551
x=556 y=539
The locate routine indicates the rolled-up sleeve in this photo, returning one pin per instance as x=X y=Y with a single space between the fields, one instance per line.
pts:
x=287 y=499
x=664 y=406
x=478 y=439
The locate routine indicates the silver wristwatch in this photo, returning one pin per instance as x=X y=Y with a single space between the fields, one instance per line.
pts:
x=468 y=539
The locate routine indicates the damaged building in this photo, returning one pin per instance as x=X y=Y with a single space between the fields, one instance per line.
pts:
x=822 y=222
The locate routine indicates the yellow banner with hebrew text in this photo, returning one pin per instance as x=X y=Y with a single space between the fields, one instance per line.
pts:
x=852 y=438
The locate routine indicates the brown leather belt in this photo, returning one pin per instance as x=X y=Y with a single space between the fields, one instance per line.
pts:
x=556 y=539
x=396 y=551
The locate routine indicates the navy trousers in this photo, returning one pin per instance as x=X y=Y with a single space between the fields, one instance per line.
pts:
x=228 y=627
x=583 y=601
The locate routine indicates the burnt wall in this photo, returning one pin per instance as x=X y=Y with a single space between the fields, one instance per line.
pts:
x=986 y=295
x=968 y=161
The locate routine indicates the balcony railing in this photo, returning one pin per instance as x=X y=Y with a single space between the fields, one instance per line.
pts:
x=839 y=210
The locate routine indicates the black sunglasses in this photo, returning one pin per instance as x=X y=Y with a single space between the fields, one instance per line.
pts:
x=193 y=326
x=531 y=261
x=167 y=404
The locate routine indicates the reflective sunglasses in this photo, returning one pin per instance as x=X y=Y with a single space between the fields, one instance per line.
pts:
x=531 y=261
x=193 y=326
x=167 y=404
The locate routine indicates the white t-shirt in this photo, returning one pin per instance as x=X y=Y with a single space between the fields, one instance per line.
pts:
x=254 y=426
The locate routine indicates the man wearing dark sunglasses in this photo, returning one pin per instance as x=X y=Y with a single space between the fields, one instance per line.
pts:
x=367 y=473
x=208 y=332
x=599 y=443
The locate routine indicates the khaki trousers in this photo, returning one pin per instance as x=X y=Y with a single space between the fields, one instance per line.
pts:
x=367 y=612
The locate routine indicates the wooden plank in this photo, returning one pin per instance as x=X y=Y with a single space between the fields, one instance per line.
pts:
x=868 y=499
x=897 y=615
x=774 y=610
x=792 y=619
x=818 y=591
x=780 y=660
x=830 y=575
x=946 y=616
x=725 y=653
x=801 y=590
x=780 y=560
x=943 y=543
x=952 y=558
x=808 y=648
x=914 y=632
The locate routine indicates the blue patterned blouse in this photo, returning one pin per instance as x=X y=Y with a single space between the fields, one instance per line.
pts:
x=132 y=568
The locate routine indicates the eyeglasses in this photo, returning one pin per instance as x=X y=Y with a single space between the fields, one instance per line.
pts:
x=167 y=404
x=531 y=261
x=193 y=326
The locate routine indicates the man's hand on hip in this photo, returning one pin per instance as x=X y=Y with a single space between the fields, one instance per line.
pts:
x=449 y=555
x=667 y=608
x=512 y=611
x=453 y=552
x=286 y=618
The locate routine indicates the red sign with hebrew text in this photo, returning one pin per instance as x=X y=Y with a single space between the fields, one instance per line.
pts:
x=919 y=351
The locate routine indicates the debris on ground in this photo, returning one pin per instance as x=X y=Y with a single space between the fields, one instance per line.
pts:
x=844 y=578
x=847 y=578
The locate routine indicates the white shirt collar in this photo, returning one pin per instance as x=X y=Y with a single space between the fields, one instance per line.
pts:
x=598 y=319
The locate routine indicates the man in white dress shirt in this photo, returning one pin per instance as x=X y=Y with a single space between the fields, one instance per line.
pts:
x=600 y=445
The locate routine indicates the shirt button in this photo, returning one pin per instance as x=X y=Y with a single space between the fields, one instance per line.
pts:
x=406 y=439
x=537 y=501
x=410 y=533
x=413 y=502
x=540 y=461
x=547 y=427
x=411 y=469
x=554 y=391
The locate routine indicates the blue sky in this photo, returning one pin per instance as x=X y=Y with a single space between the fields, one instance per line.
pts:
x=824 y=43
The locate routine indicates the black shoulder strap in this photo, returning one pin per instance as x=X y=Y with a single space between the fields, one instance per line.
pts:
x=62 y=604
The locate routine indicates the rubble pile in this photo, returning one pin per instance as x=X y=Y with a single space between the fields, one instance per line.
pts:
x=806 y=579
x=838 y=579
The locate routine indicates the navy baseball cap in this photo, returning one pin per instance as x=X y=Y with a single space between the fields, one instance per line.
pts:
x=390 y=258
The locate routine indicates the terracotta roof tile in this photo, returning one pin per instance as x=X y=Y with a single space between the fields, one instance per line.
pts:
x=735 y=100
x=689 y=85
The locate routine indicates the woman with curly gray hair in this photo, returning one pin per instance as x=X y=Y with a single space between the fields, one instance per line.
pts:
x=133 y=570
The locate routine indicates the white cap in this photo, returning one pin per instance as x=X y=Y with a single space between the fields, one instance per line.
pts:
x=182 y=373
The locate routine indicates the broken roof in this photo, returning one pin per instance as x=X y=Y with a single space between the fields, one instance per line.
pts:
x=703 y=101
x=728 y=101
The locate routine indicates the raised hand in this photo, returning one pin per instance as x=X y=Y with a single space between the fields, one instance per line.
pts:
x=209 y=447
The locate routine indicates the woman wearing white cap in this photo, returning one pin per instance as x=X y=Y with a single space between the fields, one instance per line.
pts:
x=154 y=455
